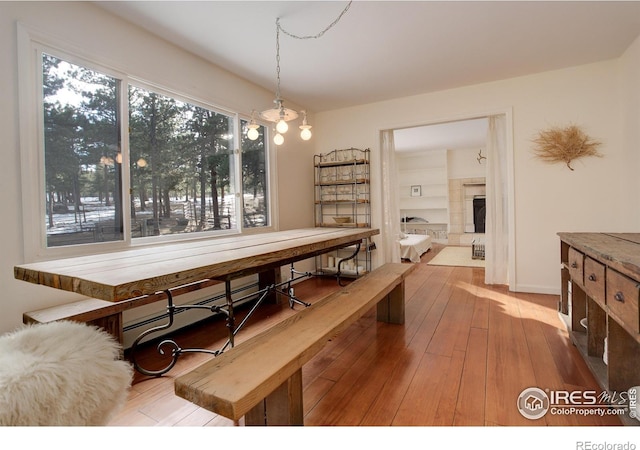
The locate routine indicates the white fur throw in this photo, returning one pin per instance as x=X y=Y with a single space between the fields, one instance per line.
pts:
x=61 y=373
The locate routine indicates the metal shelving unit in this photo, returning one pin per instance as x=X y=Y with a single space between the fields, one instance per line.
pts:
x=343 y=199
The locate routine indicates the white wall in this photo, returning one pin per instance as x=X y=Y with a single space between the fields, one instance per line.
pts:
x=128 y=48
x=427 y=169
x=463 y=163
x=548 y=198
x=629 y=82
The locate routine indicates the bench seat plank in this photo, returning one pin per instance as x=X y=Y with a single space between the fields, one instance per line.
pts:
x=233 y=383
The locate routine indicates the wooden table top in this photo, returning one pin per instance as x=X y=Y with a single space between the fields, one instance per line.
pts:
x=135 y=272
x=620 y=251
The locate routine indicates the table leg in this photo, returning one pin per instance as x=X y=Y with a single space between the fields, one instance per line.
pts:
x=270 y=288
x=175 y=349
x=269 y=278
x=230 y=318
x=344 y=260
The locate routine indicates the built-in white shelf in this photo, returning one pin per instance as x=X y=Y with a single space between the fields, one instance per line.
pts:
x=430 y=175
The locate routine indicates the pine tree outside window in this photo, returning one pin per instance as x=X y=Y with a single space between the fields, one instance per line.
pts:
x=173 y=168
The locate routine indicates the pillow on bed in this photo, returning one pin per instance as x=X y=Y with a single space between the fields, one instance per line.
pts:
x=403 y=236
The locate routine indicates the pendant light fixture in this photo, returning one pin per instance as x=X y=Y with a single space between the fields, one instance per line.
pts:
x=279 y=115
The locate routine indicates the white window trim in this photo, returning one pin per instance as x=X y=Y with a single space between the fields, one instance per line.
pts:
x=30 y=45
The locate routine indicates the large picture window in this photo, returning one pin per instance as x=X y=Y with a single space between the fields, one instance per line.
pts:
x=173 y=167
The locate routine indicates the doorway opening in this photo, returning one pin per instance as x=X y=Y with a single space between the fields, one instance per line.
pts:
x=498 y=207
x=440 y=162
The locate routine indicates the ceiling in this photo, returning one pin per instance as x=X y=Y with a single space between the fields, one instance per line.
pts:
x=460 y=135
x=381 y=50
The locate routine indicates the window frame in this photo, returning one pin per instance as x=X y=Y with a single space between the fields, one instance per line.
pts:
x=31 y=46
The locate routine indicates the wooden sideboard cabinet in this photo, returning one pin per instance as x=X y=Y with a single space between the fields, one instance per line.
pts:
x=599 y=302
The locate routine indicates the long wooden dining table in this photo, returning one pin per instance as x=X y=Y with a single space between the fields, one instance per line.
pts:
x=134 y=272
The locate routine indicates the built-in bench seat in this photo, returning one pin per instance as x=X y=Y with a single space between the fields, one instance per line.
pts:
x=102 y=313
x=261 y=379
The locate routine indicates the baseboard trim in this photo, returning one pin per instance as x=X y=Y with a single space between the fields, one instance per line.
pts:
x=533 y=289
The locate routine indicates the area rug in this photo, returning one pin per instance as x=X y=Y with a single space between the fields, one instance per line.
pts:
x=456 y=256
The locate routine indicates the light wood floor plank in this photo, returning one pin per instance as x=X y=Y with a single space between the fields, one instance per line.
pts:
x=385 y=351
x=198 y=418
x=472 y=396
x=314 y=392
x=424 y=393
x=388 y=399
x=445 y=413
x=509 y=366
x=453 y=329
x=330 y=407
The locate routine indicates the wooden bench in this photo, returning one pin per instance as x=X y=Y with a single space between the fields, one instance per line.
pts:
x=102 y=313
x=261 y=379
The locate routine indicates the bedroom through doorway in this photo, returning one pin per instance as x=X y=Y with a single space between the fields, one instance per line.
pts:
x=441 y=180
x=438 y=196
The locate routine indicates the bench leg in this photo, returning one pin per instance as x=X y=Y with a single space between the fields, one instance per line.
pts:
x=391 y=308
x=282 y=407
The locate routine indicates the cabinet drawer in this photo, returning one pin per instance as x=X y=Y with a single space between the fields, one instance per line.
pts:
x=576 y=263
x=622 y=299
x=594 y=280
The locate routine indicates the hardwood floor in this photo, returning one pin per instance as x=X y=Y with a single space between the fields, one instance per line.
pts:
x=465 y=353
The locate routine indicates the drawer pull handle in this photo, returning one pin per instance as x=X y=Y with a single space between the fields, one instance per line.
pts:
x=619 y=297
x=574 y=265
x=592 y=277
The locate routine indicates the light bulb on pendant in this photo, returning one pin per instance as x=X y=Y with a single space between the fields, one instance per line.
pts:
x=278 y=139
x=282 y=126
x=305 y=134
x=253 y=133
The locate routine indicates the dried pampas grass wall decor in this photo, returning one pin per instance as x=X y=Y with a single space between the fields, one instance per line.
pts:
x=564 y=145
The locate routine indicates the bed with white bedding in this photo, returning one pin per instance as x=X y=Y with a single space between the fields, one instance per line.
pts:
x=412 y=246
